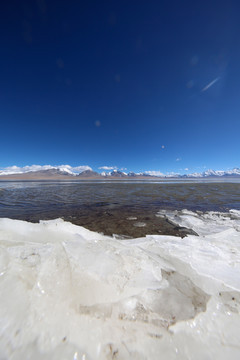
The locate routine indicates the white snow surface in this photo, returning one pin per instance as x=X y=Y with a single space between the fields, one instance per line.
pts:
x=69 y=293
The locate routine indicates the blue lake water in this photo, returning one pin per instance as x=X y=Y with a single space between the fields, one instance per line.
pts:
x=114 y=207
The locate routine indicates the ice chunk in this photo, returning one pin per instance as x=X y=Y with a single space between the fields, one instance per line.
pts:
x=139 y=224
x=69 y=293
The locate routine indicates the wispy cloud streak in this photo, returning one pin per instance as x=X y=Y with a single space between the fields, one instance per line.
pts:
x=108 y=167
x=210 y=84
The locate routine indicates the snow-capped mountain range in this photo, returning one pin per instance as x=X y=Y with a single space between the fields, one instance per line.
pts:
x=217 y=173
x=67 y=171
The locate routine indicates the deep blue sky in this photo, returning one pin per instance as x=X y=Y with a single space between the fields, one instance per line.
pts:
x=144 y=85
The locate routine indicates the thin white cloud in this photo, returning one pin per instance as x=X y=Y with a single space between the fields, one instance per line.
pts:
x=108 y=167
x=154 y=173
x=81 y=168
x=178 y=159
x=186 y=169
x=25 y=169
x=163 y=146
x=159 y=173
x=172 y=174
x=210 y=84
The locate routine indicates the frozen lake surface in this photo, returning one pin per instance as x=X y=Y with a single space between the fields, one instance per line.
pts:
x=70 y=293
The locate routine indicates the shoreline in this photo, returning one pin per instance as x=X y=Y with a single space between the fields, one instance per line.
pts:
x=123 y=180
x=120 y=223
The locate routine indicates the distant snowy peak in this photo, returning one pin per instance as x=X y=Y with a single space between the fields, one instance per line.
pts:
x=88 y=173
x=216 y=173
x=118 y=173
x=115 y=173
x=132 y=174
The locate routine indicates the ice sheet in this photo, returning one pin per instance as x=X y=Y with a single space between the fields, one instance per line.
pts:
x=69 y=293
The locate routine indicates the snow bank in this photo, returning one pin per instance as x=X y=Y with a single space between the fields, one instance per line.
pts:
x=69 y=293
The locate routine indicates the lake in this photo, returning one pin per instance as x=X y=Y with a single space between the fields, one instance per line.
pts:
x=123 y=208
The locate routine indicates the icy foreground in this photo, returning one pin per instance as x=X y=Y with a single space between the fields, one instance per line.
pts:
x=68 y=293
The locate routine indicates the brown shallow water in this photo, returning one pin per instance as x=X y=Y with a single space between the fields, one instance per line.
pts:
x=125 y=222
x=127 y=209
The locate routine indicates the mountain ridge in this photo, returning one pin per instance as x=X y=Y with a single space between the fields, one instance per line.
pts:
x=62 y=174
